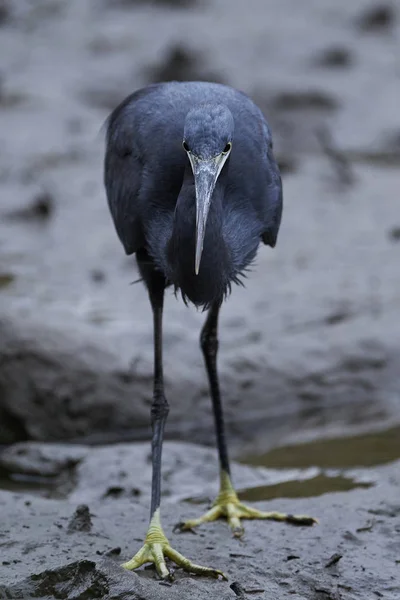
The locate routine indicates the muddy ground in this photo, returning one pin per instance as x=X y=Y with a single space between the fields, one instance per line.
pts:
x=309 y=350
x=69 y=542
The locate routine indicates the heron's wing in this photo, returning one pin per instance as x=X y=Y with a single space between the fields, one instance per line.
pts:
x=123 y=172
x=273 y=193
x=273 y=204
x=266 y=183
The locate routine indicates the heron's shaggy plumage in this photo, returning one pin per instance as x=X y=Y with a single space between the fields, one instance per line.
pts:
x=150 y=185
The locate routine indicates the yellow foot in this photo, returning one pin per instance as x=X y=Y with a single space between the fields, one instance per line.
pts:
x=156 y=549
x=227 y=505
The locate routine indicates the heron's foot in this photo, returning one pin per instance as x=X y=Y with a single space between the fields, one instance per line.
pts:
x=156 y=549
x=227 y=505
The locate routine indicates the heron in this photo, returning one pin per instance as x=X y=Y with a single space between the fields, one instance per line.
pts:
x=193 y=188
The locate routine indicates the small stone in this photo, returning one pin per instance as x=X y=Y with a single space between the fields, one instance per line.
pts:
x=81 y=519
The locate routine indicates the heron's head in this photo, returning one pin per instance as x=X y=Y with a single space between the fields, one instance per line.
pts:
x=207 y=140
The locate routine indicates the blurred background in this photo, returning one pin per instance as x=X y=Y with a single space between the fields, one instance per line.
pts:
x=310 y=350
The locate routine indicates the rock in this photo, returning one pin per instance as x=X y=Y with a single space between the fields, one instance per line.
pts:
x=61 y=394
x=43 y=460
x=81 y=520
x=41 y=558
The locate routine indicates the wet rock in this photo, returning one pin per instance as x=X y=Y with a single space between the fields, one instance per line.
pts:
x=46 y=386
x=80 y=579
x=44 y=460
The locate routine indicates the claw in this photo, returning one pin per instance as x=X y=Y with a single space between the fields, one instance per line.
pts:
x=301 y=520
x=183 y=527
x=238 y=532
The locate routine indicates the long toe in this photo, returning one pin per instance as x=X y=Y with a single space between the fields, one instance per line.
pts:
x=233 y=516
x=191 y=567
x=211 y=515
x=247 y=512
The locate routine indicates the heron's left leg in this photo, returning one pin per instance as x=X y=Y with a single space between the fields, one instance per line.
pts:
x=156 y=547
x=227 y=503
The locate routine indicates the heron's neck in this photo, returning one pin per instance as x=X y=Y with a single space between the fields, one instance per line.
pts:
x=214 y=275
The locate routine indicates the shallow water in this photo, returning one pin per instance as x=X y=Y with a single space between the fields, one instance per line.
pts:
x=367 y=450
x=321 y=484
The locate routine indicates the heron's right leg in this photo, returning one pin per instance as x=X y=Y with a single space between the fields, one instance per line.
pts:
x=227 y=503
x=156 y=546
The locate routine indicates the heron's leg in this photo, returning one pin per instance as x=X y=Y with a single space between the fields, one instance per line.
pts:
x=227 y=503
x=209 y=346
x=156 y=546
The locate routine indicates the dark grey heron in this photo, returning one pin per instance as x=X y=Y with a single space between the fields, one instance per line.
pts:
x=193 y=187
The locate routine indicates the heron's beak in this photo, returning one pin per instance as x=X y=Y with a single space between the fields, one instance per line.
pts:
x=206 y=173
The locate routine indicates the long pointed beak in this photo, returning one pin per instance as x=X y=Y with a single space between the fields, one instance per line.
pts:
x=205 y=173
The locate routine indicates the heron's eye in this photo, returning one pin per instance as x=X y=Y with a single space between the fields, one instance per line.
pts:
x=227 y=148
x=185 y=146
